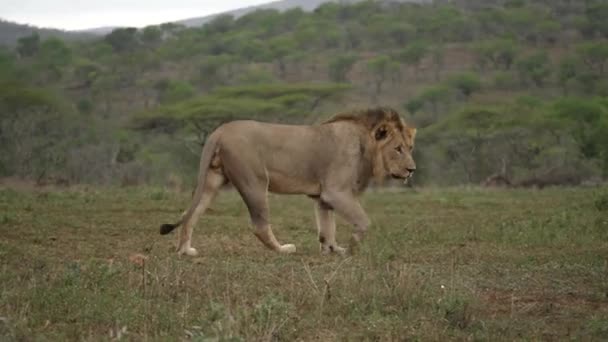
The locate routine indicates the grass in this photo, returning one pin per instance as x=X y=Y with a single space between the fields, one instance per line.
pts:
x=438 y=264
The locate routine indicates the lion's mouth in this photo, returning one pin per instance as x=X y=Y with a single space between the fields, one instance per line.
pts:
x=404 y=178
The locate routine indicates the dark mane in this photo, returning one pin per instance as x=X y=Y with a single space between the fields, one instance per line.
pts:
x=370 y=118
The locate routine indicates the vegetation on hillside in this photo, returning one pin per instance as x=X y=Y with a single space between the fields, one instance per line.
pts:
x=509 y=86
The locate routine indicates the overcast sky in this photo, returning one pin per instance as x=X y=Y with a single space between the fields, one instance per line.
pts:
x=82 y=14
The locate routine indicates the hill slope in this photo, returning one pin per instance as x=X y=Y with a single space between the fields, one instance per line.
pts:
x=282 y=5
x=10 y=32
x=519 y=89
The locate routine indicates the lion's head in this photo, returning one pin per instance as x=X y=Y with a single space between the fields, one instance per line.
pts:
x=393 y=141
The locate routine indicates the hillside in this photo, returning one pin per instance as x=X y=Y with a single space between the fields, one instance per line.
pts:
x=10 y=32
x=508 y=87
x=282 y=5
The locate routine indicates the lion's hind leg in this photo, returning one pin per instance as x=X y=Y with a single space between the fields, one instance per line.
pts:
x=256 y=200
x=257 y=203
x=214 y=180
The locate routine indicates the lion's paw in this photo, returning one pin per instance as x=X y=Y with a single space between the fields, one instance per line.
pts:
x=287 y=249
x=333 y=249
x=189 y=251
x=339 y=250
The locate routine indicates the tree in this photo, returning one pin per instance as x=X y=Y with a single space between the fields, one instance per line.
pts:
x=306 y=34
x=381 y=68
x=597 y=14
x=339 y=67
x=520 y=21
x=587 y=122
x=595 y=56
x=174 y=91
x=122 y=39
x=548 y=31
x=435 y=95
x=211 y=70
x=463 y=137
x=501 y=53
x=385 y=32
x=7 y=65
x=273 y=102
x=465 y=83
x=253 y=50
x=414 y=105
x=438 y=54
x=535 y=68
x=54 y=55
x=28 y=46
x=280 y=48
x=35 y=127
x=220 y=24
x=413 y=54
x=567 y=71
x=151 y=35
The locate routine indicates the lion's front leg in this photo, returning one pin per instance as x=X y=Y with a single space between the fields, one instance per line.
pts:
x=347 y=206
x=326 y=225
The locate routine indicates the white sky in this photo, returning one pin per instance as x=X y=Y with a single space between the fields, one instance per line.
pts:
x=83 y=14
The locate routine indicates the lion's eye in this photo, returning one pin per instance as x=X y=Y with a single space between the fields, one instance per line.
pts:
x=399 y=149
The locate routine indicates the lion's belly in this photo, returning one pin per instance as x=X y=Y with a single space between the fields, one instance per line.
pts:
x=282 y=183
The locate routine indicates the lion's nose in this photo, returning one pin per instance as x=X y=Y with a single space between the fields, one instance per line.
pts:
x=412 y=170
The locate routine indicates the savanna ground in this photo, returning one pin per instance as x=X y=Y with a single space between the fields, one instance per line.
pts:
x=464 y=264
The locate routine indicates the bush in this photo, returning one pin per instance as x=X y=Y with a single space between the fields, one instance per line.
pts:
x=466 y=83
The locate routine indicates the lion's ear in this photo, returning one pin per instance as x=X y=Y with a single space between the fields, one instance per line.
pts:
x=412 y=132
x=381 y=133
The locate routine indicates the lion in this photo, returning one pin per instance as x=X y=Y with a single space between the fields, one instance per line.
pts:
x=332 y=163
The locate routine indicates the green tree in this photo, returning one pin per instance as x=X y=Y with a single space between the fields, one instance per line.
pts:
x=466 y=83
x=435 y=96
x=151 y=35
x=535 y=68
x=212 y=70
x=55 y=55
x=28 y=46
x=174 y=91
x=275 y=102
x=597 y=13
x=587 y=122
x=413 y=54
x=501 y=53
x=381 y=68
x=8 y=67
x=548 y=31
x=253 y=50
x=122 y=39
x=339 y=67
x=438 y=55
x=414 y=105
x=567 y=72
x=220 y=24
x=595 y=56
x=35 y=127
x=280 y=48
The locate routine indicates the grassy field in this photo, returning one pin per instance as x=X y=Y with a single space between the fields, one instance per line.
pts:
x=463 y=264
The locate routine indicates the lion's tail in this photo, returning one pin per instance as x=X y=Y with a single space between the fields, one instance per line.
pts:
x=206 y=156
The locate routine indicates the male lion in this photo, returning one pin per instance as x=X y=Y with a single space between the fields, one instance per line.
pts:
x=332 y=163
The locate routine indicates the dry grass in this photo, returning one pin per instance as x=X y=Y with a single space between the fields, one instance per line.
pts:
x=463 y=264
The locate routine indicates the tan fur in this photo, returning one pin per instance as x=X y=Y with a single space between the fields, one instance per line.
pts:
x=332 y=163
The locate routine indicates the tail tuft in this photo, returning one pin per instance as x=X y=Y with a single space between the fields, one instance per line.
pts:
x=167 y=228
